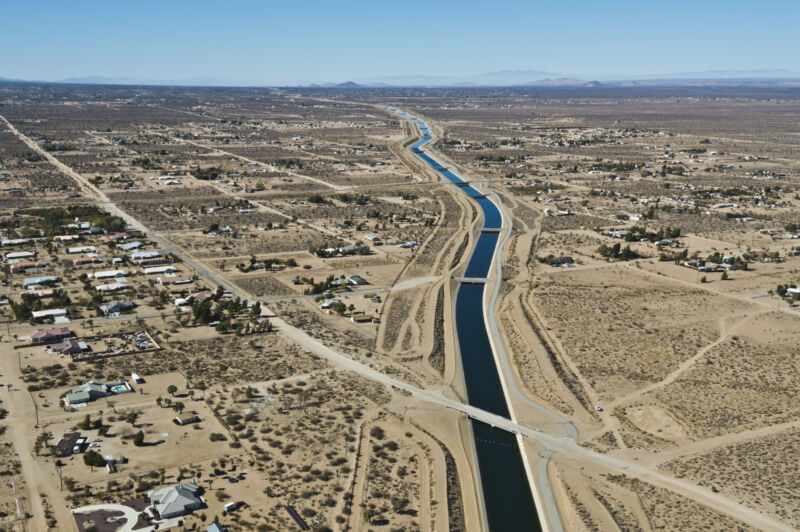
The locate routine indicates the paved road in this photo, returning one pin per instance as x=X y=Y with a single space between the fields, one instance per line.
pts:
x=565 y=444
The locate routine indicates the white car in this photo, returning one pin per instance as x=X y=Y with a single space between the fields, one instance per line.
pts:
x=598 y=408
x=97 y=440
x=94 y=445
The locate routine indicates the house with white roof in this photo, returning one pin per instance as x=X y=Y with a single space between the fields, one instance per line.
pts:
x=82 y=249
x=159 y=269
x=109 y=274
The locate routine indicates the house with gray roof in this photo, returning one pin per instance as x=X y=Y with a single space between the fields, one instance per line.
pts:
x=87 y=392
x=116 y=307
x=175 y=501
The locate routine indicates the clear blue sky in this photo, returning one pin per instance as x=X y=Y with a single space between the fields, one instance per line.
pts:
x=296 y=41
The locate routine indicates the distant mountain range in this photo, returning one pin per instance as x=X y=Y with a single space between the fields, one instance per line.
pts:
x=521 y=78
x=503 y=78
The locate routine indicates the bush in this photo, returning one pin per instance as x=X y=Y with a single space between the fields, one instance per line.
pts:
x=94 y=459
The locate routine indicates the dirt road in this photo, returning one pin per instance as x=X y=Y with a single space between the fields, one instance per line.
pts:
x=40 y=482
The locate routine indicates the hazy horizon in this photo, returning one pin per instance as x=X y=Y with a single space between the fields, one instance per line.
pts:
x=319 y=42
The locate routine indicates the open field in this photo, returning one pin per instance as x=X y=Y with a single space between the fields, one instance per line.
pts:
x=635 y=330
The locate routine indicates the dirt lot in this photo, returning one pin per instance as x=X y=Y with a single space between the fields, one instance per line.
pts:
x=634 y=329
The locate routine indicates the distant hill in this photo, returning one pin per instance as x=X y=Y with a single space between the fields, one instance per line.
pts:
x=501 y=78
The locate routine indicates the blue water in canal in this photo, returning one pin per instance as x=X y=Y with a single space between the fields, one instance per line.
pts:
x=506 y=491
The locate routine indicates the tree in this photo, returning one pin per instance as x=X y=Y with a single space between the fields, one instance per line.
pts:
x=42 y=441
x=399 y=504
x=724 y=276
x=131 y=418
x=255 y=310
x=93 y=459
x=178 y=406
x=138 y=440
x=171 y=389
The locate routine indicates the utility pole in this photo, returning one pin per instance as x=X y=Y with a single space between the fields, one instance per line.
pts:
x=60 y=476
x=35 y=409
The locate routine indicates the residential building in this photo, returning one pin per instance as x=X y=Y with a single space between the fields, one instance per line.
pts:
x=116 y=307
x=130 y=246
x=109 y=274
x=83 y=261
x=67 y=443
x=35 y=281
x=15 y=241
x=22 y=267
x=46 y=336
x=70 y=346
x=174 y=280
x=176 y=501
x=82 y=249
x=88 y=392
x=112 y=287
x=159 y=269
x=187 y=419
x=49 y=313
x=144 y=255
x=20 y=255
